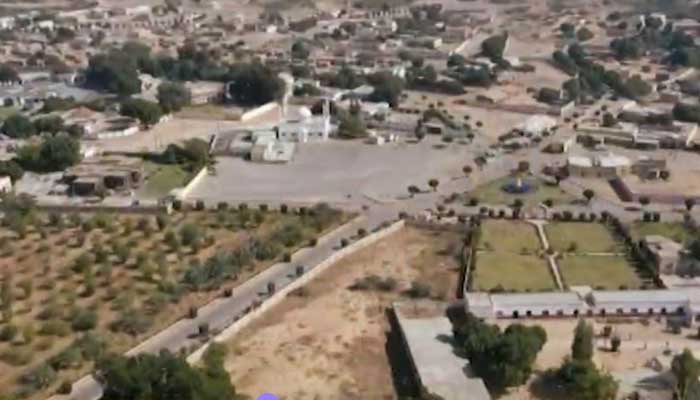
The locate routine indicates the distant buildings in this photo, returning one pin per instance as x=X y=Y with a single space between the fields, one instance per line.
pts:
x=670 y=257
x=606 y=166
x=100 y=176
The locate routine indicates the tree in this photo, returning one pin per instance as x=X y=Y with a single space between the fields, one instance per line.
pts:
x=115 y=72
x=644 y=200
x=413 y=190
x=686 y=112
x=690 y=203
x=494 y=46
x=582 y=346
x=173 y=96
x=584 y=34
x=433 y=183
x=8 y=73
x=300 y=50
x=351 y=126
x=585 y=382
x=588 y=194
x=18 y=126
x=686 y=369
x=51 y=124
x=6 y=297
x=567 y=29
x=148 y=112
x=165 y=376
x=467 y=170
x=609 y=120
x=387 y=88
x=615 y=343
x=55 y=153
x=254 y=85
x=502 y=359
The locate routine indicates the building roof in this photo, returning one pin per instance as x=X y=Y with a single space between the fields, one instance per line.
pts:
x=536 y=299
x=638 y=296
x=612 y=161
x=580 y=161
x=662 y=245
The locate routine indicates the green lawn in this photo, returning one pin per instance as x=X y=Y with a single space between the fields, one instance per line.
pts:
x=162 y=178
x=508 y=236
x=609 y=272
x=672 y=230
x=492 y=193
x=6 y=112
x=512 y=272
x=589 y=237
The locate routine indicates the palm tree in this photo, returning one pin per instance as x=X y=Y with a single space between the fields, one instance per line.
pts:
x=433 y=183
x=689 y=203
x=467 y=169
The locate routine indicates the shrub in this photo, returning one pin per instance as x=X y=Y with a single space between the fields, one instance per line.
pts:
x=313 y=242
x=65 y=388
x=8 y=332
x=263 y=207
x=287 y=257
x=284 y=208
x=362 y=232
x=131 y=322
x=344 y=242
x=418 y=290
x=16 y=356
x=39 y=378
x=54 y=328
x=222 y=206
x=83 y=320
x=199 y=205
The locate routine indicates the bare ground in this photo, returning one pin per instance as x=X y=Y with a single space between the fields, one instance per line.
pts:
x=330 y=342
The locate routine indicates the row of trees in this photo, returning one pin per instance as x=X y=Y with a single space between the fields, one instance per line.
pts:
x=117 y=71
x=18 y=126
x=594 y=79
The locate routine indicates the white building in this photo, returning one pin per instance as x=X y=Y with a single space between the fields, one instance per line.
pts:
x=5 y=184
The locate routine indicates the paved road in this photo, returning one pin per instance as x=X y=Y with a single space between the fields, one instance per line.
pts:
x=220 y=313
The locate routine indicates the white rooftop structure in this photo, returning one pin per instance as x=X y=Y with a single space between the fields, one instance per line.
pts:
x=537 y=124
x=580 y=161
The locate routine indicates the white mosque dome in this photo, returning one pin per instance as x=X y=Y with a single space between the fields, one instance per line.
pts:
x=305 y=112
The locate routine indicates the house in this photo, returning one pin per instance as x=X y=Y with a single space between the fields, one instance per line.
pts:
x=98 y=176
x=607 y=166
x=5 y=184
x=204 y=92
x=272 y=151
x=670 y=257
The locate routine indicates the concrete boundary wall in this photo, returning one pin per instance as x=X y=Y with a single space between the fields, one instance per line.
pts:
x=256 y=112
x=182 y=193
x=280 y=295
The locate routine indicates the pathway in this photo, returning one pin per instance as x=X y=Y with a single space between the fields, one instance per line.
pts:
x=551 y=258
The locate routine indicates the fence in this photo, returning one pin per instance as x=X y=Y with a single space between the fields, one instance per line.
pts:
x=277 y=298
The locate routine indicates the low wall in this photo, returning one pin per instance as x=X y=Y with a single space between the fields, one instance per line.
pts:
x=280 y=295
x=256 y=112
x=140 y=209
x=182 y=193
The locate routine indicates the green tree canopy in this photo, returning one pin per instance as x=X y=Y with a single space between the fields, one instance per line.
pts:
x=18 y=126
x=115 y=72
x=387 y=88
x=494 y=46
x=165 y=377
x=254 y=85
x=686 y=369
x=582 y=346
x=148 y=112
x=173 y=96
x=8 y=73
x=55 y=153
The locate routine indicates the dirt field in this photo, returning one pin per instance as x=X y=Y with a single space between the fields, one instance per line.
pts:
x=329 y=342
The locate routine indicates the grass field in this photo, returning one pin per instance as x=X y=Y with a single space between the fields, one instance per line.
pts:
x=161 y=179
x=609 y=272
x=589 y=237
x=508 y=236
x=210 y=111
x=492 y=193
x=512 y=272
x=672 y=230
x=82 y=284
x=6 y=112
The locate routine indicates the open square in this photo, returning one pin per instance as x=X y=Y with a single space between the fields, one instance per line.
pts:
x=508 y=236
x=577 y=237
x=511 y=272
x=601 y=272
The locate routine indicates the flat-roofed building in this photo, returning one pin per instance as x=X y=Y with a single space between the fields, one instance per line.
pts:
x=639 y=302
